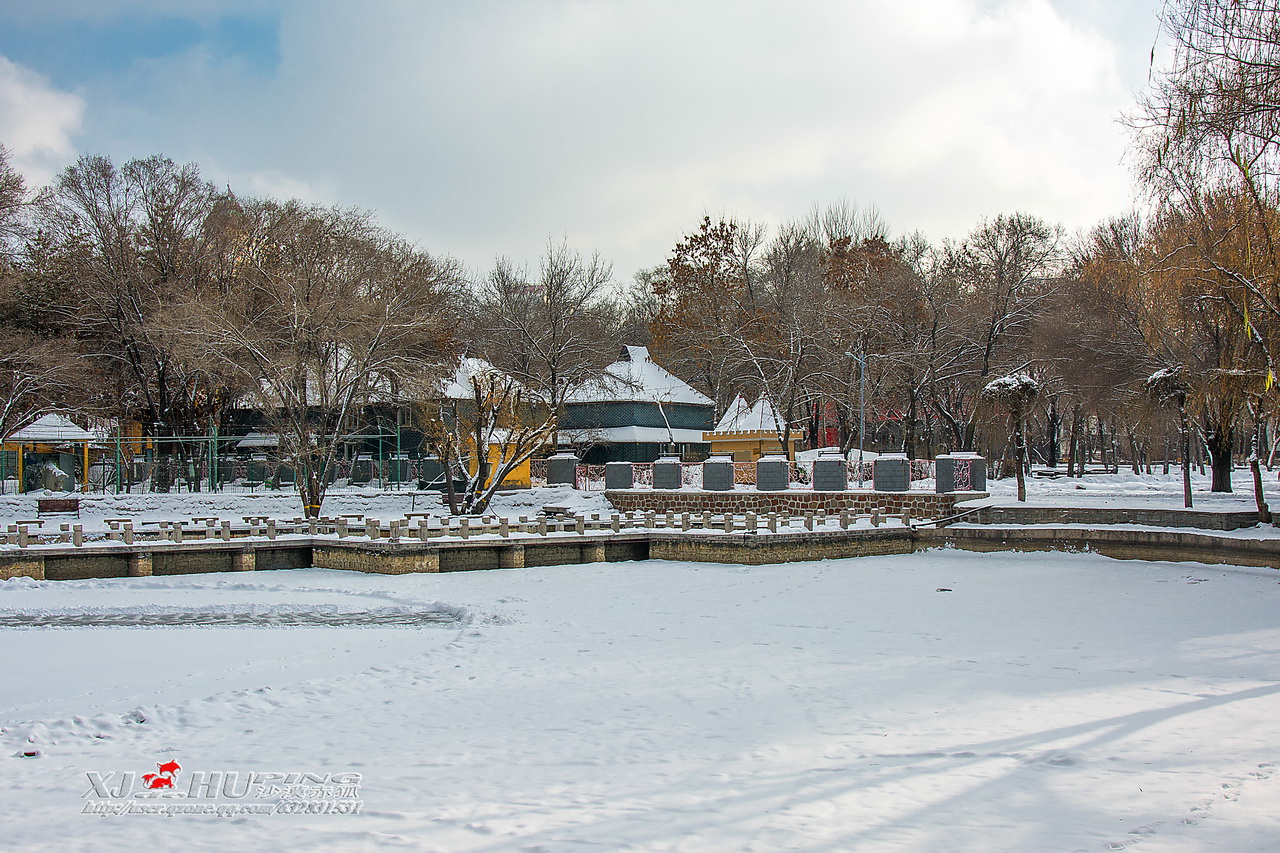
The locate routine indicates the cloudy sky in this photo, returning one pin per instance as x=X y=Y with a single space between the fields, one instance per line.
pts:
x=480 y=128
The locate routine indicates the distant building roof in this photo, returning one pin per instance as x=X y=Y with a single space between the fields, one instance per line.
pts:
x=636 y=378
x=741 y=418
x=50 y=429
x=459 y=387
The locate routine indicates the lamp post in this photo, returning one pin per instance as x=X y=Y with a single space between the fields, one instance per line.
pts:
x=862 y=409
x=861 y=357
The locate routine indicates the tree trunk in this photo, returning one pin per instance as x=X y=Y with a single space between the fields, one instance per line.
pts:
x=909 y=427
x=1218 y=442
x=1184 y=430
x=1020 y=453
x=1255 y=466
x=450 y=491
x=1052 y=426
x=1073 y=444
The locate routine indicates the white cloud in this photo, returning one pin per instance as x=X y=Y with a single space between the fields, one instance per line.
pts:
x=481 y=128
x=37 y=122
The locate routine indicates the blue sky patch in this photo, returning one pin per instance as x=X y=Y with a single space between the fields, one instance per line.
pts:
x=72 y=52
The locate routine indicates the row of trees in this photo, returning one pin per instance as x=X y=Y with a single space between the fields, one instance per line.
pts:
x=144 y=293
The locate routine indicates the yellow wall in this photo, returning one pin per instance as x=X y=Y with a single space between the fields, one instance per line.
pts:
x=520 y=478
x=749 y=446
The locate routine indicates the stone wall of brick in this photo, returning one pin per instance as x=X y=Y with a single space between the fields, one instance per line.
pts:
x=189 y=561
x=756 y=550
x=795 y=501
x=84 y=567
x=385 y=561
x=469 y=559
x=1098 y=515
x=1117 y=543
x=20 y=565
x=552 y=554
x=283 y=558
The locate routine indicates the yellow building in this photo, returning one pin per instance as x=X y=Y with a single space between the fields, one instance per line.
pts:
x=749 y=432
x=50 y=439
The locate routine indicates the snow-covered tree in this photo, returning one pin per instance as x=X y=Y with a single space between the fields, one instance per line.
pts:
x=1016 y=392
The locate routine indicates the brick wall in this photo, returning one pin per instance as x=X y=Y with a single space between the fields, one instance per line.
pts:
x=189 y=562
x=1120 y=544
x=385 y=561
x=797 y=502
x=755 y=550
x=81 y=568
x=1098 y=515
x=19 y=565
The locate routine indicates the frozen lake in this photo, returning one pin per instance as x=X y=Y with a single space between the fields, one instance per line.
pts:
x=1042 y=702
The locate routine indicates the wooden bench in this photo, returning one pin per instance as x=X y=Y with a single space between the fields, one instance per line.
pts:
x=556 y=512
x=51 y=506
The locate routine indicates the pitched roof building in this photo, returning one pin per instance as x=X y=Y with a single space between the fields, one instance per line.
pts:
x=635 y=411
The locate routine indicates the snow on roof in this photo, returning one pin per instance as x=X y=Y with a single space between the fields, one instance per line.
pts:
x=51 y=429
x=459 y=387
x=758 y=418
x=737 y=411
x=635 y=378
x=258 y=439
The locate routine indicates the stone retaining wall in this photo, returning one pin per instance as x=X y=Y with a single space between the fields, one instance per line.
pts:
x=1117 y=543
x=1098 y=515
x=757 y=550
x=409 y=556
x=792 y=502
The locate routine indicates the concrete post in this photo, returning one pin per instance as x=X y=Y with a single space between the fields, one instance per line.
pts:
x=511 y=558
x=140 y=564
x=561 y=469
x=717 y=474
x=772 y=473
x=593 y=552
x=830 y=473
x=666 y=473
x=244 y=561
x=891 y=473
x=960 y=472
x=619 y=475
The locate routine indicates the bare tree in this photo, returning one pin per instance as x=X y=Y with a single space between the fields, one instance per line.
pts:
x=321 y=313
x=550 y=333
x=486 y=423
x=116 y=248
x=1168 y=387
x=13 y=204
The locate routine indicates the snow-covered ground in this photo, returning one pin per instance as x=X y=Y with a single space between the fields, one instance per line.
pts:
x=1136 y=491
x=1120 y=490
x=940 y=701
x=95 y=509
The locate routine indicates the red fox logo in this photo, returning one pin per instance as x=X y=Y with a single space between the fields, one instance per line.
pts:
x=164 y=779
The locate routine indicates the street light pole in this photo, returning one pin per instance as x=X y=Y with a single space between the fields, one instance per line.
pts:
x=862 y=409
